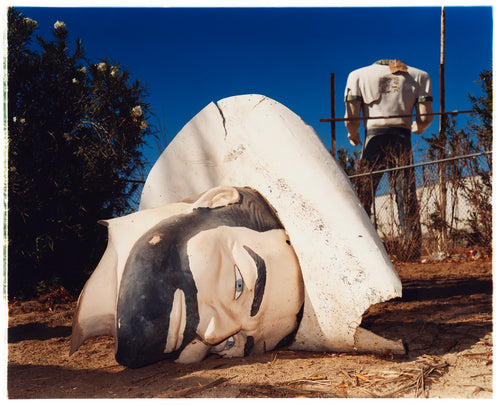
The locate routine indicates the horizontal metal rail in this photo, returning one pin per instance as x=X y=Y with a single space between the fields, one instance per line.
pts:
x=420 y=164
x=390 y=169
x=330 y=120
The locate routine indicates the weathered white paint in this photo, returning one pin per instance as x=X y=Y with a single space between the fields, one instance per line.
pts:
x=254 y=141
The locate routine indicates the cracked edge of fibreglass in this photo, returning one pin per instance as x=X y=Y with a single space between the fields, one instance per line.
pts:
x=223 y=118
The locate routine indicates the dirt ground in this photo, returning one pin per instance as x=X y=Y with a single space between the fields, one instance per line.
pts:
x=444 y=317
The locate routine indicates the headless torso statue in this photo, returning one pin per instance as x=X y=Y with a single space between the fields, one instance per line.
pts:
x=390 y=88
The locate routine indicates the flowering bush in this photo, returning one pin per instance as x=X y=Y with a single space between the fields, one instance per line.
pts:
x=75 y=133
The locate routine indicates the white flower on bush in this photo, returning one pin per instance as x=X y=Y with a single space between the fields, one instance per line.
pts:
x=143 y=125
x=83 y=69
x=101 y=66
x=114 y=70
x=59 y=25
x=137 y=112
x=29 y=21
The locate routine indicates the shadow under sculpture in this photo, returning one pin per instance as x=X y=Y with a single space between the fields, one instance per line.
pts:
x=218 y=273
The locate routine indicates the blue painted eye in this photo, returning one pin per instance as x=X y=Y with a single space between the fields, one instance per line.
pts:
x=238 y=284
x=229 y=344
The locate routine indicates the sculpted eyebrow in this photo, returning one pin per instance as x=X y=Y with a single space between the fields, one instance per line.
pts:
x=260 y=283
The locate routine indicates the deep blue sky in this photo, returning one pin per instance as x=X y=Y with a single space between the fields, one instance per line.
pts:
x=189 y=57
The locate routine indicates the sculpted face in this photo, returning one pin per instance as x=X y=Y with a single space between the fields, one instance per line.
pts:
x=223 y=280
x=249 y=291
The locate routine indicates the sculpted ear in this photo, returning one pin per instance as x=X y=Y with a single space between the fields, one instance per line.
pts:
x=217 y=197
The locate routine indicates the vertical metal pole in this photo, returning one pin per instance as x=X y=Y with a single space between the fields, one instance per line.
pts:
x=373 y=191
x=442 y=136
x=442 y=117
x=373 y=203
x=332 y=113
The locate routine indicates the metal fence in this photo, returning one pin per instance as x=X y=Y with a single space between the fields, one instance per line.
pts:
x=456 y=223
x=454 y=216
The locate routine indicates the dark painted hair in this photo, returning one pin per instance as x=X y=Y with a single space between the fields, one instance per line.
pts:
x=153 y=273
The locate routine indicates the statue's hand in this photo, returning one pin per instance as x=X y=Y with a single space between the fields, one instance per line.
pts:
x=354 y=139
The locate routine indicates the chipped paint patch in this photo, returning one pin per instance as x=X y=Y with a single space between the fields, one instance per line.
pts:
x=235 y=153
x=389 y=84
x=155 y=239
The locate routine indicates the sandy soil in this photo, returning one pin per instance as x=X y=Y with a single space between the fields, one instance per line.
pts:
x=444 y=317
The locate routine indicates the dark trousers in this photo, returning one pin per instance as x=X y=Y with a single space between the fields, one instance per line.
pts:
x=389 y=148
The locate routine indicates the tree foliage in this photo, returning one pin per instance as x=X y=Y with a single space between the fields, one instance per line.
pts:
x=348 y=161
x=479 y=191
x=478 y=136
x=469 y=177
x=483 y=111
x=74 y=135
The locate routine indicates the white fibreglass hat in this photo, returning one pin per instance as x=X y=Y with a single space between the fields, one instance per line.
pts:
x=253 y=141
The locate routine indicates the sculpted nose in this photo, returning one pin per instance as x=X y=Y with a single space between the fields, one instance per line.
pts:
x=217 y=327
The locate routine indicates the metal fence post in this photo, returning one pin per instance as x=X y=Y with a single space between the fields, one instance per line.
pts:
x=332 y=109
x=373 y=203
x=443 y=121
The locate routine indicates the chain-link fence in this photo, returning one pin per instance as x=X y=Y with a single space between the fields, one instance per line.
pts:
x=453 y=215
